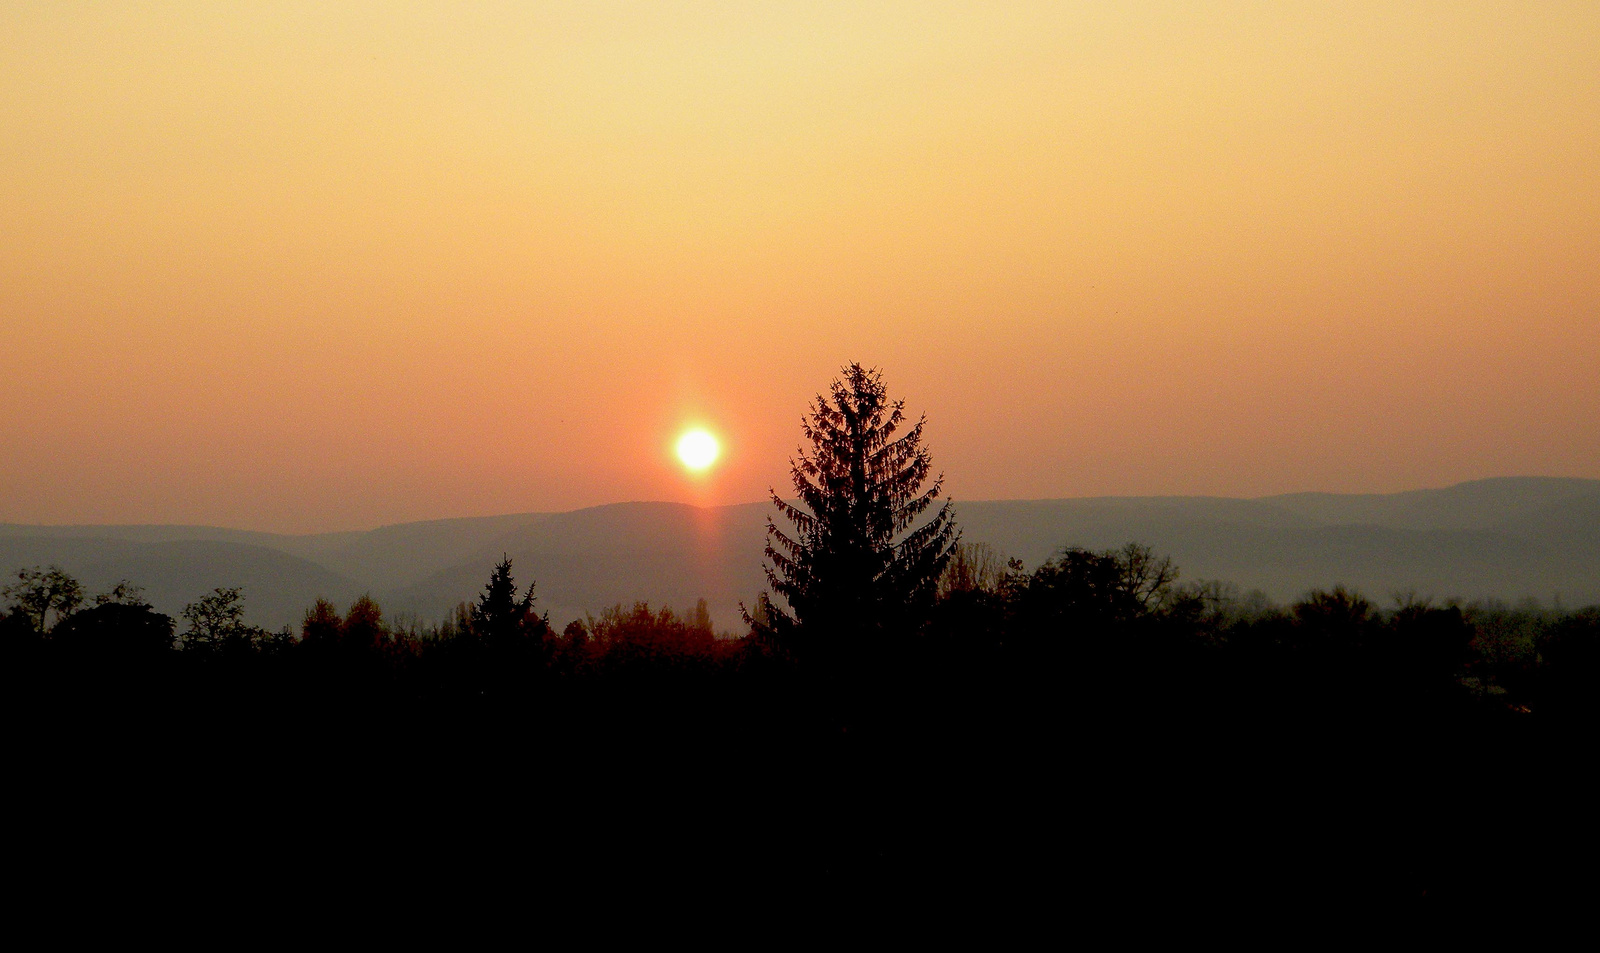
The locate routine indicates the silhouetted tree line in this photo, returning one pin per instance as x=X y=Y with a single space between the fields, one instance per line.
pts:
x=902 y=704
x=1084 y=618
x=1101 y=654
x=1081 y=618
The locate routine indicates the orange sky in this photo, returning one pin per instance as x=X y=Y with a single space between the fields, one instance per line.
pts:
x=308 y=266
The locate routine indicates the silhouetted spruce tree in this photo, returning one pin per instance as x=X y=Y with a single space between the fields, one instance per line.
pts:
x=855 y=565
x=499 y=615
x=508 y=629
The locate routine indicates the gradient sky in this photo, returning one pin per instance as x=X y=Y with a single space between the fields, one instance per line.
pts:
x=307 y=266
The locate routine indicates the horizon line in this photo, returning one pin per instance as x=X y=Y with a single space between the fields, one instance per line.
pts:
x=723 y=506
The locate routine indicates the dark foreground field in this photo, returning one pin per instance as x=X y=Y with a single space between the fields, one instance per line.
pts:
x=1134 y=768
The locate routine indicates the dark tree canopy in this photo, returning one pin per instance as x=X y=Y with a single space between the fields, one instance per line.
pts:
x=216 y=619
x=38 y=592
x=1079 y=587
x=116 y=631
x=499 y=614
x=855 y=562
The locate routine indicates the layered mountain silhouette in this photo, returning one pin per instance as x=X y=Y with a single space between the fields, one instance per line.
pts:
x=1506 y=538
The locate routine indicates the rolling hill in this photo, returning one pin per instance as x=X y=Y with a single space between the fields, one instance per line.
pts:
x=174 y=572
x=1506 y=538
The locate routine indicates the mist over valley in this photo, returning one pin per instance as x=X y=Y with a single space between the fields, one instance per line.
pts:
x=1506 y=539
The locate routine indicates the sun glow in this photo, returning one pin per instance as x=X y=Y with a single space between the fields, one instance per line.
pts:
x=698 y=449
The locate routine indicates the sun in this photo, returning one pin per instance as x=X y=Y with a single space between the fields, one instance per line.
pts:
x=698 y=449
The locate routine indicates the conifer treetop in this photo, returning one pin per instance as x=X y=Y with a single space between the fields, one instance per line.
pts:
x=855 y=555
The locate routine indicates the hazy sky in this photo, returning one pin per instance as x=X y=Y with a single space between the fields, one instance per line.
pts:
x=327 y=265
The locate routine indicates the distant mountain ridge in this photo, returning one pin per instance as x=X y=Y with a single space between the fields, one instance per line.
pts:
x=1478 y=504
x=1505 y=538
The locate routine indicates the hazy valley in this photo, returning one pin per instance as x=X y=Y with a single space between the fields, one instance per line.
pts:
x=1506 y=538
